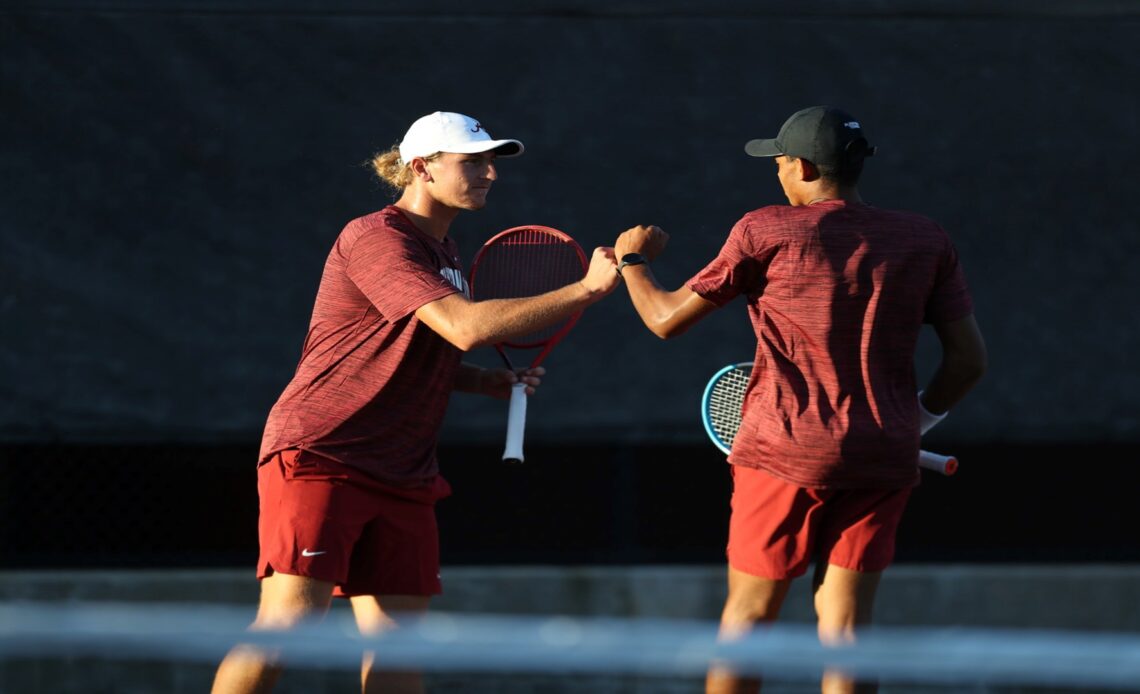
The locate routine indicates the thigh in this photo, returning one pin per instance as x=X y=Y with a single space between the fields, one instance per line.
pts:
x=311 y=516
x=773 y=524
x=376 y=613
x=858 y=528
x=844 y=599
x=751 y=600
x=398 y=551
x=287 y=600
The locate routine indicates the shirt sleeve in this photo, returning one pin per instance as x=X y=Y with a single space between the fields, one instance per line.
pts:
x=396 y=273
x=737 y=269
x=949 y=297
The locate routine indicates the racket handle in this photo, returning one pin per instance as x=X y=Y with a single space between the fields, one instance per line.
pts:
x=516 y=424
x=945 y=464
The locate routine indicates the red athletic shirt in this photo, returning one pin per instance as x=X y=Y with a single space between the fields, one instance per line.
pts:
x=373 y=382
x=837 y=293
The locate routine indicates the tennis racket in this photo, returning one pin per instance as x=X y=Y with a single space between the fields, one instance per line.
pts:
x=526 y=261
x=724 y=397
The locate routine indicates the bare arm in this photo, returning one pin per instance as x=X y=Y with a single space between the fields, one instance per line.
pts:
x=470 y=378
x=666 y=313
x=963 y=363
x=469 y=324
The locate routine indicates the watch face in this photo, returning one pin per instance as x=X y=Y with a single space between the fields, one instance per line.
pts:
x=632 y=258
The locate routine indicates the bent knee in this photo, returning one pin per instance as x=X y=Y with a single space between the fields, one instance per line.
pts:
x=375 y=614
x=745 y=609
x=836 y=634
x=289 y=600
x=279 y=618
x=753 y=600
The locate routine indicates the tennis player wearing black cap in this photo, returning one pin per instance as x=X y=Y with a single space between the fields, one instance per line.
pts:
x=826 y=455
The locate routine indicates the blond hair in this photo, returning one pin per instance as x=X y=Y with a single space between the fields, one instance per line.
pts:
x=393 y=171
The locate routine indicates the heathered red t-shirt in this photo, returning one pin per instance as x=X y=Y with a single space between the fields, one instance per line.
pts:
x=373 y=382
x=837 y=293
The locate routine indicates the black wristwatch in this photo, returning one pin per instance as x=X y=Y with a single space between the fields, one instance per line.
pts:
x=631 y=259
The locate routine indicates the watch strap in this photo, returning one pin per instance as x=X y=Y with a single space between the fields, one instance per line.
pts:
x=626 y=260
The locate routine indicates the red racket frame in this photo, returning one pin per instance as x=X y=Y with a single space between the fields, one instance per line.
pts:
x=522 y=235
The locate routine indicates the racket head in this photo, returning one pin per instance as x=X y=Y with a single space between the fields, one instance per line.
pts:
x=722 y=401
x=526 y=261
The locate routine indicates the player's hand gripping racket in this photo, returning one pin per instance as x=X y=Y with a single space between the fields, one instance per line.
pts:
x=724 y=397
x=519 y=262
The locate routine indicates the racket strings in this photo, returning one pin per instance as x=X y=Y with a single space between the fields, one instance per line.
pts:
x=526 y=263
x=726 y=398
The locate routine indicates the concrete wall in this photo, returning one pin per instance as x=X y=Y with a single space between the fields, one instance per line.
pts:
x=1003 y=596
x=1086 y=597
x=174 y=175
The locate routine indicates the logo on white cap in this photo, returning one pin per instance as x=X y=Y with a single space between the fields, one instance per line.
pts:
x=452 y=132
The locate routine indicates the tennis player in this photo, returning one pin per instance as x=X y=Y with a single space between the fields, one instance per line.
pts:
x=826 y=456
x=348 y=476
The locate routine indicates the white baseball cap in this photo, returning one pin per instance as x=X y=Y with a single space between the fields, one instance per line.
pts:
x=452 y=132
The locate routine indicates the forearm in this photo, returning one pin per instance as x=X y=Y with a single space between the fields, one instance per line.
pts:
x=951 y=382
x=666 y=314
x=495 y=320
x=963 y=364
x=470 y=324
x=470 y=378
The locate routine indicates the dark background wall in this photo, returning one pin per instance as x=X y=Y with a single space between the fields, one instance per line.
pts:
x=173 y=175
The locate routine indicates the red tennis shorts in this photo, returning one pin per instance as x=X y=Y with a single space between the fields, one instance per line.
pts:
x=777 y=528
x=334 y=523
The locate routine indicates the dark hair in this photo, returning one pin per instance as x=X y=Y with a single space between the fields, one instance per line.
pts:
x=846 y=174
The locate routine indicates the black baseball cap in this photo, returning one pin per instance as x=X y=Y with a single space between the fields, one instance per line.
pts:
x=821 y=134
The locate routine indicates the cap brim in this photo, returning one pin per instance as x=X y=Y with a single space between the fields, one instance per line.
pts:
x=762 y=148
x=503 y=148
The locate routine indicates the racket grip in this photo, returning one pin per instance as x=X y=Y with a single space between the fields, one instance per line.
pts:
x=944 y=464
x=516 y=424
